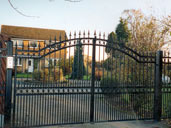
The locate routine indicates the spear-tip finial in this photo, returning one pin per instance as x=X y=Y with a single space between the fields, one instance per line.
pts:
x=70 y=34
x=79 y=33
x=104 y=35
x=75 y=34
x=88 y=32
x=95 y=33
x=99 y=34
x=84 y=33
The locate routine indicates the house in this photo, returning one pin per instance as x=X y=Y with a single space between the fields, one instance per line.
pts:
x=166 y=51
x=35 y=38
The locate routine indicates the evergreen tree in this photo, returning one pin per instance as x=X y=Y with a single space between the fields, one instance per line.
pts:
x=78 y=68
x=111 y=40
x=120 y=36
x=122 y=31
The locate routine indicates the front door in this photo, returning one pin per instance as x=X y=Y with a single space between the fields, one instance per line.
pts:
x=30 y=65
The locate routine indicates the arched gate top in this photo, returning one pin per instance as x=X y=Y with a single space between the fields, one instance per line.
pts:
x=55 y=46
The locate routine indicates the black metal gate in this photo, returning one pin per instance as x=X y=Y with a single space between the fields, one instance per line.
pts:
x=82 y=79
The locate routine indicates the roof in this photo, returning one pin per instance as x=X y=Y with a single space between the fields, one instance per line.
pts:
x=32 y=33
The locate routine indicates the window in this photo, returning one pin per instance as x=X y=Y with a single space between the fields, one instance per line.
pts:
x=29 y=62
x=33 y=43
x=19 y=62
x=55 y=63
x=18 y=42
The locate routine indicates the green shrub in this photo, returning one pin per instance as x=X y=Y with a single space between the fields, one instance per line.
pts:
x=86 y=77
x=98 y=74
x=37 y=75
x=108 y=84
x=168 y=109
x=142 y=103
x=51 y=75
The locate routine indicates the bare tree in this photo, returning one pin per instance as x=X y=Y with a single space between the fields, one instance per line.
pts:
x=147 y=32
x=23 y=14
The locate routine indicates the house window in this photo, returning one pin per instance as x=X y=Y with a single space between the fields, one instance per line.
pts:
x=29 y=62
x=54 y=62
x=19 y=62
x=33 y=43
x=19 y=43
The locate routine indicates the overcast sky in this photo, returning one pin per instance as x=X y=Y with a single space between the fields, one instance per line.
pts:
x=100 y=15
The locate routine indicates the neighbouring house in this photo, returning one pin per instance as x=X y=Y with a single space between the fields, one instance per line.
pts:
x=166 y=49
x=35 y=38
x=167 y=53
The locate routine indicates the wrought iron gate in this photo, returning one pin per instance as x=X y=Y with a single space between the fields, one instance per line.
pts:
x=83 y=79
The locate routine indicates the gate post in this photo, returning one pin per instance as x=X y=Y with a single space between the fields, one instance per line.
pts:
x=158 y=87
x=8 y=89
x=93 y=80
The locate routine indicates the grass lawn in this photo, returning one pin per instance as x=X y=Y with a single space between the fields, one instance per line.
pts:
x=24 y=75
x=166 y=99
x=85 y=77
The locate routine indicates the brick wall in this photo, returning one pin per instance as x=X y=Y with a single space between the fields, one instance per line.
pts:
x=3 y=38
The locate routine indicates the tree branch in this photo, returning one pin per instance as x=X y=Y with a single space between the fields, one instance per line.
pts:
x=20 y=11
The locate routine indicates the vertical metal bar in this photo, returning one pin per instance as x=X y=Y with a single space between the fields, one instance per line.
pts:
x=99 y=77
x=164 y=79
x=158 y=87
x=167 y=89
x=49 y=83
x=87 y=97
x=39 y=100
x=22 y=81
x=93 y=80
x=8 y=90
x=151 y=82
x=147 y=84
x=53 y=112
x=44 y=82
x=103 y=97
x=69 y=74
x=30 y=84
x=14 y=99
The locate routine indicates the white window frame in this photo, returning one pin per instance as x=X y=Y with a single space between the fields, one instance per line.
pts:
x=19 y=62
x=19 y=43
x=33 y=41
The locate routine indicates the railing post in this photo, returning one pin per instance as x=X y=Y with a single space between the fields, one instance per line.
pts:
x=92 y=81
x=8 y=90
x=158 y=87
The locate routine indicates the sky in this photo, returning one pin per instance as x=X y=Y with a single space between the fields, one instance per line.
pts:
x=99 y=15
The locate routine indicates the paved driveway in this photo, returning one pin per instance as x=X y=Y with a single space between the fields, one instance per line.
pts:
x=120 y=124
x=42 y=106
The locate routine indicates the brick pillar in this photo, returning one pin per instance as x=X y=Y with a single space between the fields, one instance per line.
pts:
x=2 y=75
